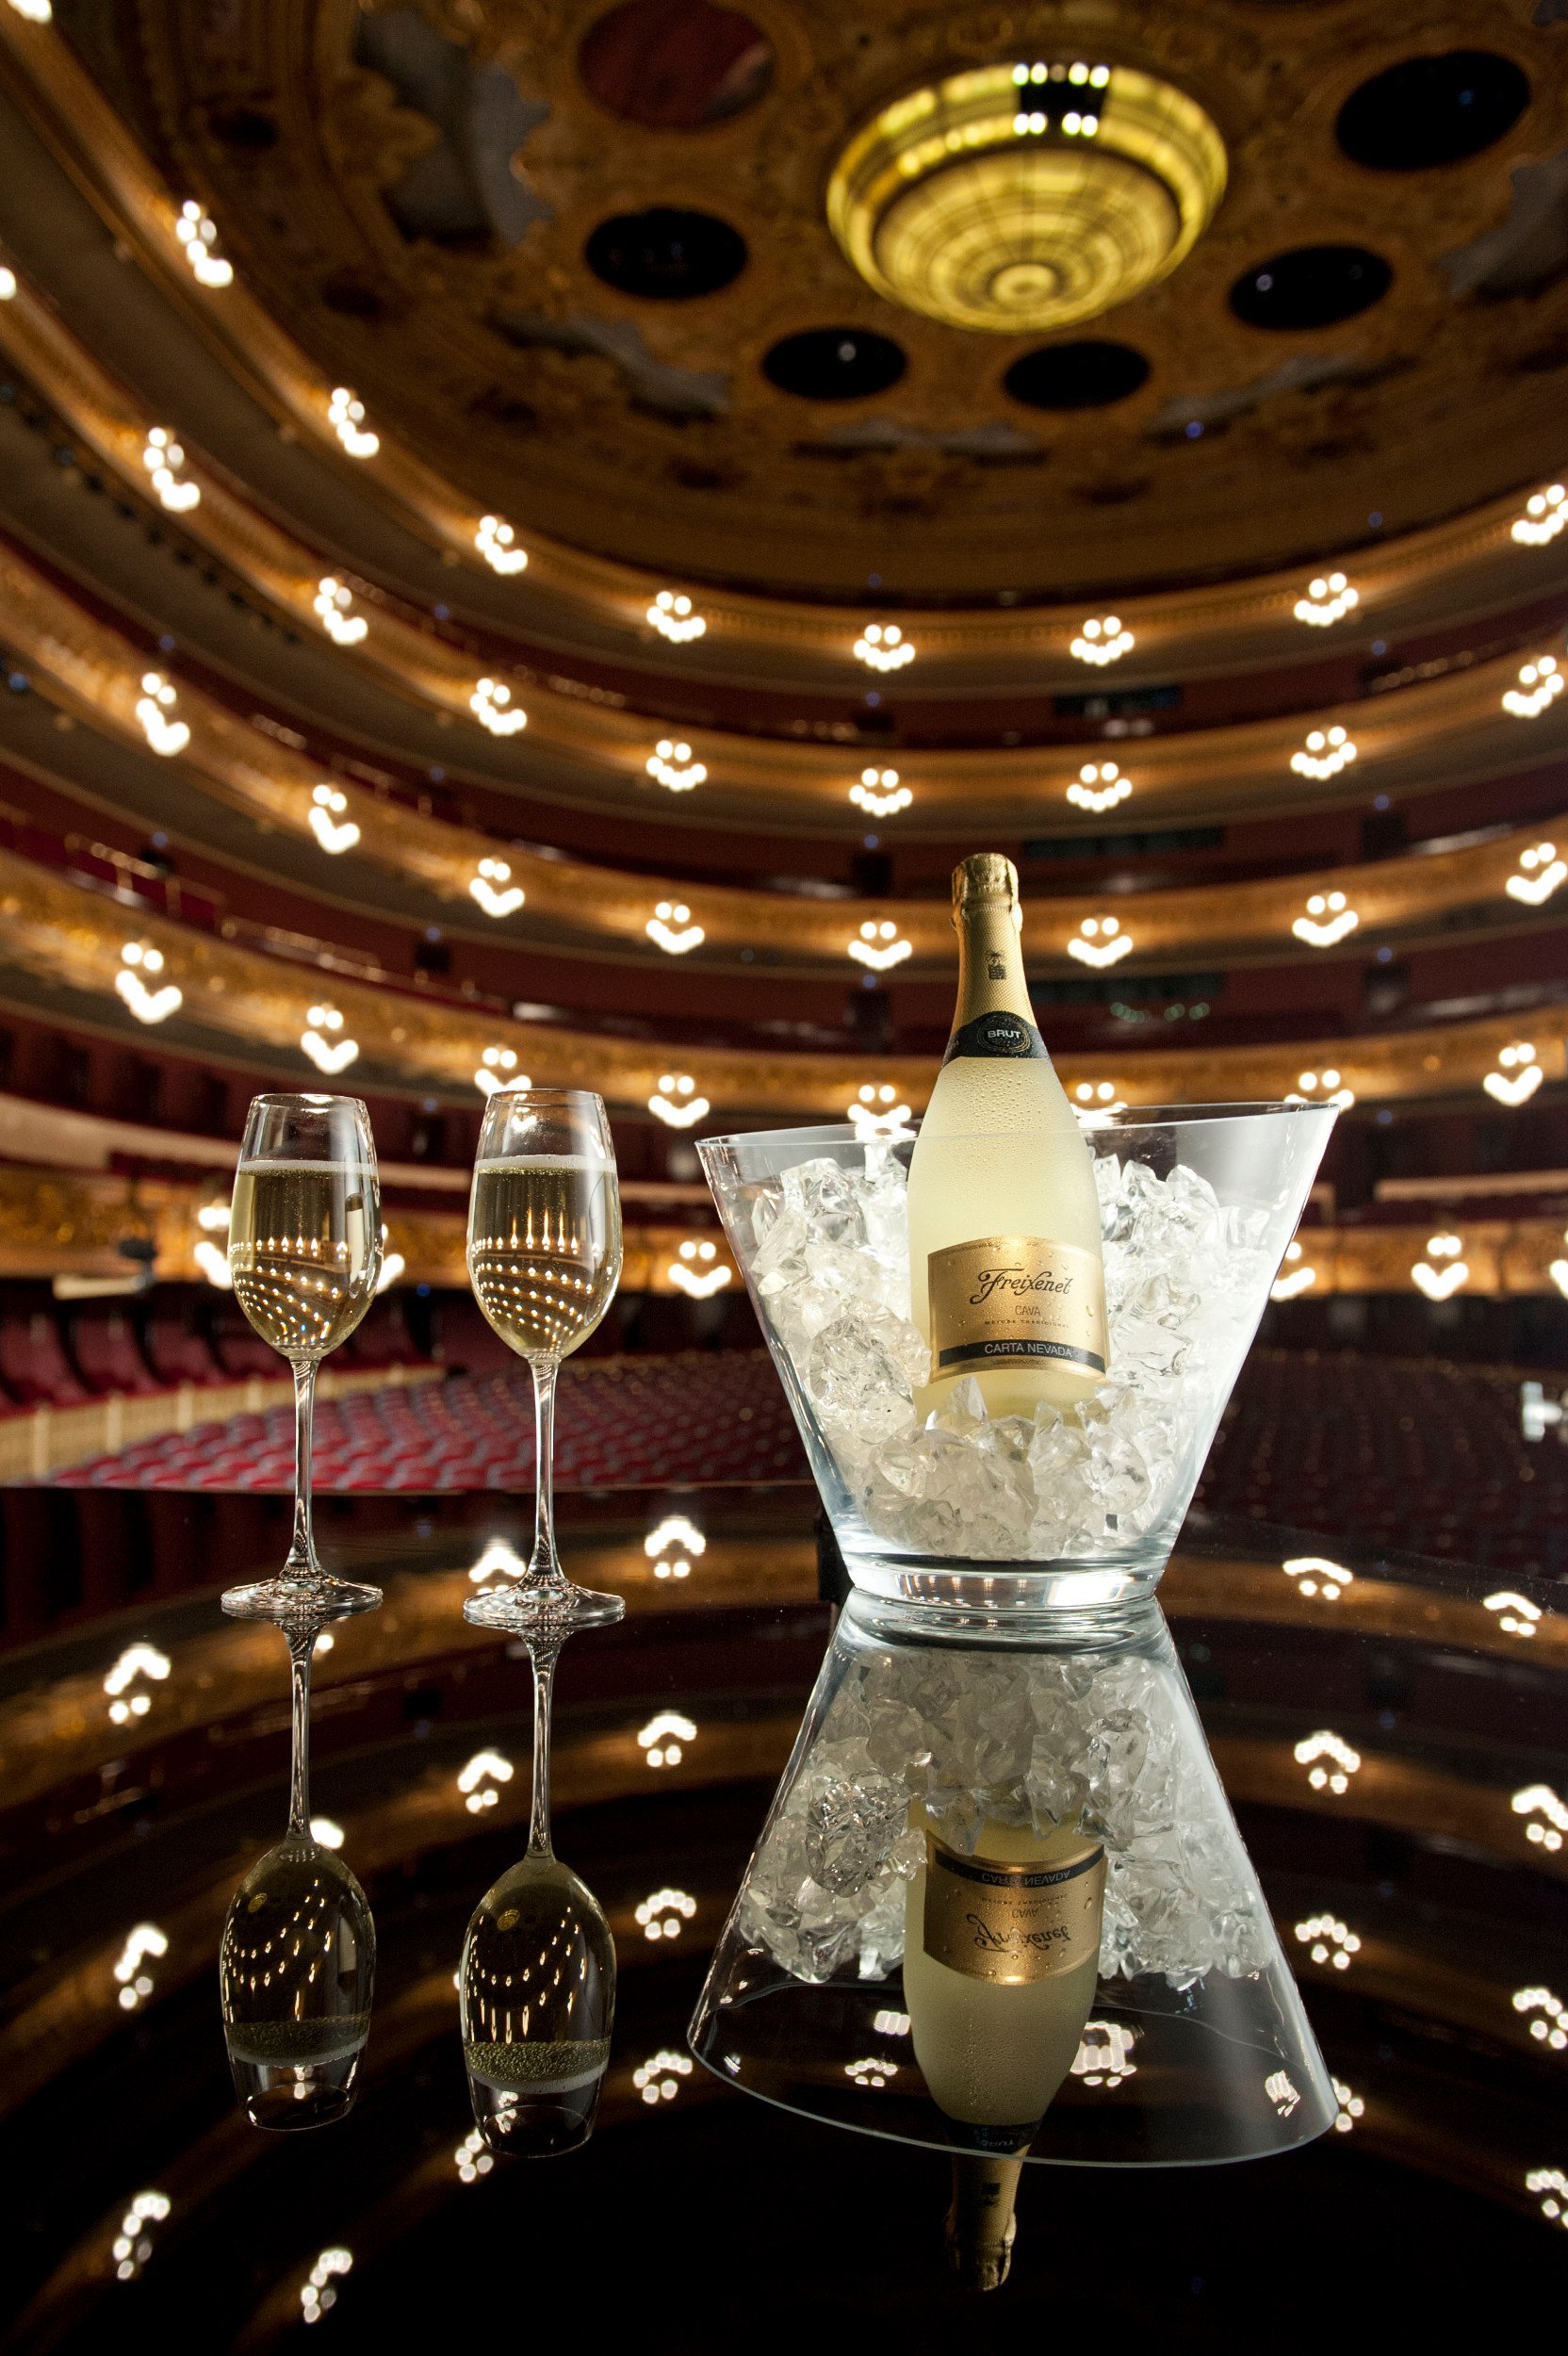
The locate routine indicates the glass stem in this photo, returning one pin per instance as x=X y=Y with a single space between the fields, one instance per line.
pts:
x=544 y=1564
x=301 y=1555
x=302 y=1646
x=544 y=1657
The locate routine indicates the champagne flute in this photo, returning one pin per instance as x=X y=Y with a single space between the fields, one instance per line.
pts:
x=305 y=1254
x=298 y=1957
x=544 y=1260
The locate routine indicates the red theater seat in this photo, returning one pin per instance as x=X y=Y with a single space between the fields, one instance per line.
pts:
x=240 y=1351
x=107 y=1355
x=177 y=1350
x=383 y=1340
x=33 y=1365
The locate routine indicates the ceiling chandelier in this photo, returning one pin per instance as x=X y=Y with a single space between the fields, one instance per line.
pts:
x=1022 y=198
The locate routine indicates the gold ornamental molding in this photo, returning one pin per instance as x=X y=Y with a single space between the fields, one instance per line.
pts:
x=1464 y=566
x=96 y=675
x=239 y=1002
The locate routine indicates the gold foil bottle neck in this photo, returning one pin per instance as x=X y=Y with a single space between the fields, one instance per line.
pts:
x=986 y=876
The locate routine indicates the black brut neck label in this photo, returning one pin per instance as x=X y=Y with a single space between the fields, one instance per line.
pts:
x=997 y=1034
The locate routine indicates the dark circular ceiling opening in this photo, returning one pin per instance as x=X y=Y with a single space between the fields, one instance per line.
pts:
x=675 y=65
x=1432 y=110
x=665 y=254
x=835 y=364
x=1084 y=375
x=1313 y=285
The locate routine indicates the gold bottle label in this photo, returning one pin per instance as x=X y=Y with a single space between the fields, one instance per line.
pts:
x=1009 y=1922
x=1015 y=1298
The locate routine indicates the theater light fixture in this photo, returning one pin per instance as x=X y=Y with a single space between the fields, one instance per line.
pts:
x=882 y=647
x=1102 y=641
x=316 y=2293
x=497 y=1068
x=670 y=763
x=1342 y=1762
x=660 y=1741
x=697 y=1271
x=163 y=458
x=498 y=544
x=492 y=706
x=40 y=12
x=1517 y=1615
x=392 y=1267
x=1442 y=1273
x=676 y=1102
x=1540 y=684
x=1315 y=1576
x=1096 y=1101
x=325 y=1830
x=1099 y=942
x=1541 y=874
x=1519 y=1077
x=658 y=2079
x=676 y=1530
x=1328 y=600
x=879 y=946
x=1351 y=2106
x=1546 y=513
x=1328 y=1940
x=1099 y=786
x=213 y=1261
x=473 y=2160
x=332 y=831
x=879 y=794
x=138 y=959
x=156 y=701
x=1296 y=1277
x=8 y=282
x=146 y=1943
x=133 y=2245
x=1551 y=2028
x=323 y=1041
x=332 y=605
x=1550 y=2185
x=137 y=1660
x=198 y=236
x=664 y=1912
x=1328 y=920
x=494 y=889
x=876 y=1114
x=479 y=1781
x=1104 y=2055
x=1320 y=1088
x=346 y=416
x=1327 y=751
x=672 y=618
x=1538 y=1800
x=671 y=927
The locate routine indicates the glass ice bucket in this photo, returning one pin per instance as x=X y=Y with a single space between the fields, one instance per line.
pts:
x=1198 y=1207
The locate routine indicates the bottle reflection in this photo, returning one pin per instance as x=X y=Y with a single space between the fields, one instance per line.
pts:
x=538 y=1981
x=298 y=1957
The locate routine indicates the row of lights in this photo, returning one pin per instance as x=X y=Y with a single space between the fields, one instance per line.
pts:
x=1441 y=1274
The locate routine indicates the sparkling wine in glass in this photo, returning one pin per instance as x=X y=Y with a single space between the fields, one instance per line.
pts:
x=537 y=1985
x=298 y=1957
x=305 y=1254
x=544 y=1260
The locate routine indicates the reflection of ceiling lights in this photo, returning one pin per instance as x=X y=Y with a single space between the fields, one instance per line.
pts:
x=670 y=925
x=1327 y=751
x=1328 y=600
x=323 y=1042
x=1351 y=2106
x=883 y=646
x=1099 y=786
x=697 y=1269
x=163 y=458
x=346 y=415
x=492 y=706
x=1096 y=1102
x=877 y=1114
x=879 y=794
x=1546 y=513
x=332 y=831
x=1020 y=198
x=672 y=618
x=198 y=236
x=1328 y=920
x=676 y=1102
x=1315 y=1576
x=1330 y=1761
x=494 y=889
x=1540 y=684
x=331 y=605
x=878 y=945
x=1104 y=2055
x=156 y=701
x=1517 y=1615
x=156 y=1005
x=1519 y=1077
x=670 y=763
x=1099 y=942
x=1542 y=872
x=498 y=544
x=1103 y=641
x=1442 y=1273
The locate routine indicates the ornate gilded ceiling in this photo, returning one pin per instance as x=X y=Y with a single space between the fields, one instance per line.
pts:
x=587 y=310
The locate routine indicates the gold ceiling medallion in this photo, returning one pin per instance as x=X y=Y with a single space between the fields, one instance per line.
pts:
x=1023 y=198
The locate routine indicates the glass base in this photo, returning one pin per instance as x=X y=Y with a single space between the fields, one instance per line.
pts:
x=288 y=2097
x=290 y=1598
x=547 y=1609
x=984 y=1590
x=536 y=2122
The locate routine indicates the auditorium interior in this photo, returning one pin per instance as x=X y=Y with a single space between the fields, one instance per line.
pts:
x=534 y=534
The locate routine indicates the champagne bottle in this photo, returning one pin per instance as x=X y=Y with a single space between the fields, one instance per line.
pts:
x=1000 y=1962
x=1006 y=1275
